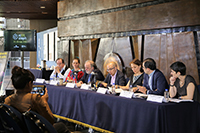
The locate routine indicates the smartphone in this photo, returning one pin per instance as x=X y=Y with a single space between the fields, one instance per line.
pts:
x=38 y=89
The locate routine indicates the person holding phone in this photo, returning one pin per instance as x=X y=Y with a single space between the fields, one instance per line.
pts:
x=23 y=100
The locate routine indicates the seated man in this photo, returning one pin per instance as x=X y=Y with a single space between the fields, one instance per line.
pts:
x=90 y=70
x=60 y=71
x=115 y=76
x=154 y=81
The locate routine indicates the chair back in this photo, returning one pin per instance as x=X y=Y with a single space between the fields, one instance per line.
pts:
x=11 y=120
x=37 y=123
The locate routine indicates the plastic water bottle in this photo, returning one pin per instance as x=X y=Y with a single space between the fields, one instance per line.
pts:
x=166 y=95
x=130 y=88
x=113 y=88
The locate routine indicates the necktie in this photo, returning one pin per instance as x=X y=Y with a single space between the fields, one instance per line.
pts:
x=89 y=78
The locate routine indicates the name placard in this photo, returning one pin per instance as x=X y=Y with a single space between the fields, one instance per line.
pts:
x=38 y=80
x=155 y=98
x=127 y=94
x=101 y=90
x=71 y=85
x=52 y=82
x=84 y=87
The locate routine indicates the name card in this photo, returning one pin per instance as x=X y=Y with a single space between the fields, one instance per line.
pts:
x=39 y=80
x=71 y=85
x=102 y=90
x=127 y=94
x=155 y=98
x=84 y=87
x=52 y=82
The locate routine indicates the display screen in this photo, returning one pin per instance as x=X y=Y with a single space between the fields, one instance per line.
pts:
x=38 y=89
x=20 y=40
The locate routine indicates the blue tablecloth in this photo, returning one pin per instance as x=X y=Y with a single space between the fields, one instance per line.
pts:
x=37 y=73
x=122 y=115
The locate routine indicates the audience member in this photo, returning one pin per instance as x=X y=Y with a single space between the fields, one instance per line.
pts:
x=91 y=70
x=23 y=100
x=76 y=73
x=181 y=85
x=61 y=70
x=154 y=81
x=137 y=77
x=114 y=76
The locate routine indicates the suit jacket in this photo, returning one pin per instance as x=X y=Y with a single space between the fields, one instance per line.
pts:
x=99 y=76
x=119 y=79
x=159 y=83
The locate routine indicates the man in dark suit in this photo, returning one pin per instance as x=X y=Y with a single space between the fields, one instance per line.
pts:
x=91 y=71
x=115 y=76
x=154 y=81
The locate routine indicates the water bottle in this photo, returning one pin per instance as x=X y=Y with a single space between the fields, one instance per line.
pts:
x=130 y=88
x=166 y=95
x=113 y=88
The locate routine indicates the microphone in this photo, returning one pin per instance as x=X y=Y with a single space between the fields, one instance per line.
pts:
x=93 y=73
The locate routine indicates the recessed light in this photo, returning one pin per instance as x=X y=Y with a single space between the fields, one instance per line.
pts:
x=44 y=12
x=42 y=7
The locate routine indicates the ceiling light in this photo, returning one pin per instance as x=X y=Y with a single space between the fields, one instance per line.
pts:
x=42 y=7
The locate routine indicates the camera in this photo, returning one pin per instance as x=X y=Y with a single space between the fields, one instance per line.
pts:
x=38 y=89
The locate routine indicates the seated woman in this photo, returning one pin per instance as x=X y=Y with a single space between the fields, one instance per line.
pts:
x=23 y=100
x=75 y=73
x=137 y=77
x=181 y=85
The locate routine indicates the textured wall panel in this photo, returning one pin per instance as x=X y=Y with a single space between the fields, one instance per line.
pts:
x=172 y=14
x=73 y=7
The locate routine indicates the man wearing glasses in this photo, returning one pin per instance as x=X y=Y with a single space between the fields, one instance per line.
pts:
x=114 y=76
x=91 y=71
x=61 y=70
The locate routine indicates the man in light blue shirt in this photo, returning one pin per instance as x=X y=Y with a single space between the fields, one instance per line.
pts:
x=154 y=81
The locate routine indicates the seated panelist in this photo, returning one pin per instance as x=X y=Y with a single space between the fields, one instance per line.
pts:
x=154 y=80
x=181 y=85
x=114 y=76
x=61 y=70
x=137 y=77
x=91 y=70
x=76 y=73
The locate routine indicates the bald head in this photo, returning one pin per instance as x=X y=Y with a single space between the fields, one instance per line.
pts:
x=112 y=68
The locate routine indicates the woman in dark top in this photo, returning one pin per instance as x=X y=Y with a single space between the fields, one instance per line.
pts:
x=137 y=77
x=181 y=85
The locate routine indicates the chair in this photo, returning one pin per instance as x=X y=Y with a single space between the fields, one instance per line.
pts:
x=11 y=120
x=37 y=123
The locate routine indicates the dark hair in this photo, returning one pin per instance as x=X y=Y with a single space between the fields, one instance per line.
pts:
x=76 y=58
x=137 y=62
x=150 y=63
x=179 y=67
x=20 y=77
x=60 y=59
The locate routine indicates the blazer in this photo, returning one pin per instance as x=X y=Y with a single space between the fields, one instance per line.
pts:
x=159 y=83
x=99 y=76
x=119 y=80
x=139 y=81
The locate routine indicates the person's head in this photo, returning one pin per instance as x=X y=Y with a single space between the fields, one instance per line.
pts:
x=76 y=63
x=60 y=63
x=136 y=66
x=177 y=69
x=112 y=68
x=22 y=78
x=149 y=65
x=90 y=66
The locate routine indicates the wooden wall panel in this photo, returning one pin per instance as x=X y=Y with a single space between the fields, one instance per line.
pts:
x=166 y=49
x=73 y=7
x=172 y=14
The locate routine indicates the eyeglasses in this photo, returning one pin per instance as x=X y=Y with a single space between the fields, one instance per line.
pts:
x=110 y=69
